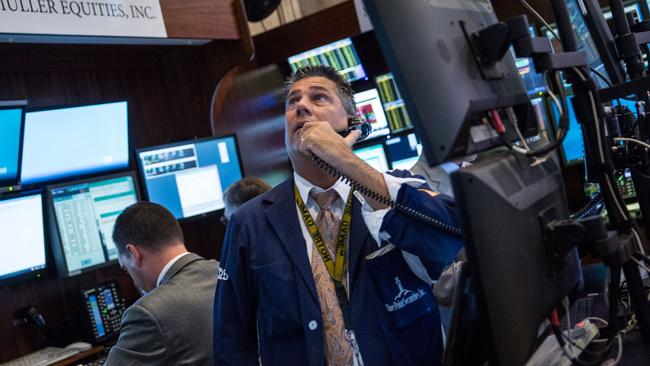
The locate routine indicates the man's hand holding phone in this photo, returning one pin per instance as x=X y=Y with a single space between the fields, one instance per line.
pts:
x=320 y=139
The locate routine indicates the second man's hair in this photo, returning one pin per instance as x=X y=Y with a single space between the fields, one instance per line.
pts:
x=148 y=225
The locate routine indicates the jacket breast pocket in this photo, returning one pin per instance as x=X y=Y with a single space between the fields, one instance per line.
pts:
x=278 y=311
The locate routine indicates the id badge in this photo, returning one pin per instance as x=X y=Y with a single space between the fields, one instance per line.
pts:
x=406 y=298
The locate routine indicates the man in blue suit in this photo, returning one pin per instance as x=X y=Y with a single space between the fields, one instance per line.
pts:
x=284 y=297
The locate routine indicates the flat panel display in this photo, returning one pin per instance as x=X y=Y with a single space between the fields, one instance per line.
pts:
x=84 y=215
x=396 y=113
x=74 y=141
x=573 y=148
x=403 y=151
x=340 y=55
x=369 y=106
x=22 y=226
x=375 y=156
x=11 y=129
x=188 y=178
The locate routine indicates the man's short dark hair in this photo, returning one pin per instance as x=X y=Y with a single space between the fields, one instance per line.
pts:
x=343 y=88
x=148 y=225
x=244 y=190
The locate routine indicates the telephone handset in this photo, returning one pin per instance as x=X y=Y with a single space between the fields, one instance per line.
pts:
x=364 y=126
x=357 y=123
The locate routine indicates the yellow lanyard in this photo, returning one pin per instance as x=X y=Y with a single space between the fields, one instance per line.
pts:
x=334 y=269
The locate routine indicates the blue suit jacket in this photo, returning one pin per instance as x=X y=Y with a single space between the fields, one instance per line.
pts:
x=266 y=284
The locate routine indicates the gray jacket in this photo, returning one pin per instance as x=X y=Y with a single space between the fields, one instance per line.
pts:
x=172 y=324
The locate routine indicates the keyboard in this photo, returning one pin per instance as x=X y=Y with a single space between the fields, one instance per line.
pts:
x=43 y=357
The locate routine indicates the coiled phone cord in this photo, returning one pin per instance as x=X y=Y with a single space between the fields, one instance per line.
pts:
x=386 y=200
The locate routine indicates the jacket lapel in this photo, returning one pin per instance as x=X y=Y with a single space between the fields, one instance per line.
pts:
x=359 y=235
x=283 y=218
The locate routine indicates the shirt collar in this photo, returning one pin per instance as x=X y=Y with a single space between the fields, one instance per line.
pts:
x=168 y=266
x=305 y=186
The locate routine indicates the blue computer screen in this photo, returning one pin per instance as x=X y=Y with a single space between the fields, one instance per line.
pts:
x=23 y=230
x=188 y=178
x=573 y=147
x=375 y=156
x=74 y=141
x=10 y=129
x=403 y=151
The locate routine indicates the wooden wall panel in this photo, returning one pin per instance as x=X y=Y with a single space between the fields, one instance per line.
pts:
x=210 y=19
x=169 y=90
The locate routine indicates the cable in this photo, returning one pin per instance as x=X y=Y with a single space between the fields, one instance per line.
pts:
x=628 y=139
x=386 y=200
x=640 y=264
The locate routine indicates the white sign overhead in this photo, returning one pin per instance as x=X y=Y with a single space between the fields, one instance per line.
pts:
x=115 y=18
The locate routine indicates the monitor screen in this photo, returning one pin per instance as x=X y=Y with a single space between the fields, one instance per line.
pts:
x=573 y=148
x=188 y=178
x=369 y=107
x=403 y=151
x=85 y=214
x=398 y=117
x=340 y=55
x=375 y=156
x=532 y=80
x=23 y=242
x=11 y=124
x=74 y=141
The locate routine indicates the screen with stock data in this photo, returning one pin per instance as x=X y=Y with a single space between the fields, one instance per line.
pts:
x=188 y=178
x=23 y=243
x=85 y=214
x=340 y=55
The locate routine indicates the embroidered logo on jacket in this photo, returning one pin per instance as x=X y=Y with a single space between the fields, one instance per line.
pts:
x=404 y=297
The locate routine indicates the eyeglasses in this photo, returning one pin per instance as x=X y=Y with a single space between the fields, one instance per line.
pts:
x=224 y=220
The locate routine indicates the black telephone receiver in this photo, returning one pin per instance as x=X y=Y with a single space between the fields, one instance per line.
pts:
x=357 y=123
x=360 y=123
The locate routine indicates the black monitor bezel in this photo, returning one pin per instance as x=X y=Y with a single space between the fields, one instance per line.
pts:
x=22 y=105
x=185 y=142
x=75 y=177
x=41 y=272
x=55 y=234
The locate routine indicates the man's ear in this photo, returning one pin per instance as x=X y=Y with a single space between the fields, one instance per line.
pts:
x=136 y=254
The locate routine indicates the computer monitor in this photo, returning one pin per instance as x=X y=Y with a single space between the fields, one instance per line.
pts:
x=369 y=107
x=22 y=225
x=189 y=177
x=340 y=55
x=503 y=202
x=375 y=156
x=447 y=93
x=82 y=217
x=573 y=147
x=504 y=205
x=396 y=113
x=11 y=132
x=403 y=150
x=532 y=80
x=74 y=141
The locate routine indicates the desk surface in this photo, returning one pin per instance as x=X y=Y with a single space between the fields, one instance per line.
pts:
x=82 y=356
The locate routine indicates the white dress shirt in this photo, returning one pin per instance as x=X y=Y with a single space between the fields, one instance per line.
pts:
x=167 y=266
